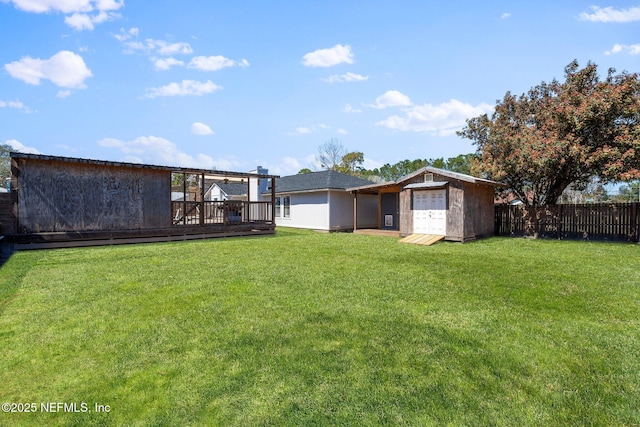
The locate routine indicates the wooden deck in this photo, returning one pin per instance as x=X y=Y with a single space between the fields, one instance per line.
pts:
x=100 y=238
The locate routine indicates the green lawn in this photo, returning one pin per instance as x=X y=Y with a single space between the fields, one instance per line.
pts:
x=304 y=328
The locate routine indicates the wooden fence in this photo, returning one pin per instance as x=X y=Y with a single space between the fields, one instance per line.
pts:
x=7 y=222
x=596 y=221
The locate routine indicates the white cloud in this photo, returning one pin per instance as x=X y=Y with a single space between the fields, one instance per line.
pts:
x=18 y=105
x=83 y=21
x=215 y=63
x=346 y=78
x=79 y=19
x=288 y=166
x=161 y=151
x=329 y=57
x=184 y=88
x=199 y=128
x=126 y=35
x=303 y=130
x=166 y=63
x=349 y=109
x=342 y=131
x=109 y=4
x=63 y=93
x=371 y=164
x=633 y=49
x=18 y=146
x=609 y=14
x=43 y=6
x=159 y=47
x=443 y=119
x=391 y=98
x=505 y=15
x=65 y=69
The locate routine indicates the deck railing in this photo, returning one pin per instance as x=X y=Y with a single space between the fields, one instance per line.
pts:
x=228 y=212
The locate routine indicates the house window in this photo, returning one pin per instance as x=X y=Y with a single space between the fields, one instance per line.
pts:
x=286 y=203
x=283 y=206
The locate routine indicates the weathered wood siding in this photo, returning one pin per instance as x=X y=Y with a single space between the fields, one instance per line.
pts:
x=65 y=196
x=479 y=211
x=456 y=199
x=7 y=220
x=406 y=213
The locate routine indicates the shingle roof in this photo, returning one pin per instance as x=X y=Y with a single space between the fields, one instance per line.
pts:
x=324 y=180
x=233 y=188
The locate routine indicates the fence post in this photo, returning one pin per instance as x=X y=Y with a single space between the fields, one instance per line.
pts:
x=559 y=223
x=634 y=222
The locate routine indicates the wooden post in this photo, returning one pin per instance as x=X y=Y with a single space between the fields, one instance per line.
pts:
x=248 y=205
x=634 y=222
x=559 y=215
x=355 y=210
x=273 y=200
x=184 y=197
x=202 y=199
x=379 y=210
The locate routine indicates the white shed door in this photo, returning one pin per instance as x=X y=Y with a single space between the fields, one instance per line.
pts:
x=430 y=212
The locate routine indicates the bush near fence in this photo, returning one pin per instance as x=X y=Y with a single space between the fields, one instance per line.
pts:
x=592 y=221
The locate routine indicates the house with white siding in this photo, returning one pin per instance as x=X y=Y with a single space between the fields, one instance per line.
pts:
x=320 y=201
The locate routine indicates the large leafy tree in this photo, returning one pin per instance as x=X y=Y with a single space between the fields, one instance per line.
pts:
x=560 y=134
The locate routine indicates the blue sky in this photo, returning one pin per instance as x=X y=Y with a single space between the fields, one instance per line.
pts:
x=233 y=85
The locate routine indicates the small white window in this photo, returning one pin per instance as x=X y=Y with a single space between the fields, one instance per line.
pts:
x=286 y=204
x=428 y=177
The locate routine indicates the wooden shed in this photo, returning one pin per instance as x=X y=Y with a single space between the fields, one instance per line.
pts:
x=435 y=201
x=61 y=201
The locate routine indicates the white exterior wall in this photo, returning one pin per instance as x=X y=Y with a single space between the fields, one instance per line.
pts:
x=329 y=210
x=215 y=194
x=308 y=210
x=341 y=214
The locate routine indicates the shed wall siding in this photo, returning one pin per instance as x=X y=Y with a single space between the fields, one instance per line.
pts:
x=456 y=199
x=57 y=196
x=406 y=213
x=479 y=219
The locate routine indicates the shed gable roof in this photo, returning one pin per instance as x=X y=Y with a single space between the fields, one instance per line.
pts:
x=324 y=180
x=448 y=174
x=428 y=169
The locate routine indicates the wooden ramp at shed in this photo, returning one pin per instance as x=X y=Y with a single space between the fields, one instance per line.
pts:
x=422 y=239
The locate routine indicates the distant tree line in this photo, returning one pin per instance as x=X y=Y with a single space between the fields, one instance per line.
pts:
x=332 y=155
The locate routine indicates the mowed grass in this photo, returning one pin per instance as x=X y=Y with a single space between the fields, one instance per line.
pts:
x=303 y=328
